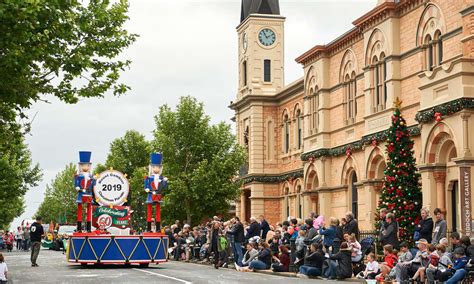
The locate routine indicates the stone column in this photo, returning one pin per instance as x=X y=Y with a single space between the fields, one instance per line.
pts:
x=242 y=206
x=440 y=178
x=323 y=171
x=465 y=130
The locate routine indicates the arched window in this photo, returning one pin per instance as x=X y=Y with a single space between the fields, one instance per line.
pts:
x=433 y=49
x=380 y=86
x=430 y=30
x=270 y=137
x=355 y=198
x=350 y=94
x=429 y=53
x=287 y=134
x=315 y=107
x=298 y=130
x=439 y=47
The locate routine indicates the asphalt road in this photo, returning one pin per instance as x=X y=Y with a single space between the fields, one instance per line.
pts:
x=53 y=268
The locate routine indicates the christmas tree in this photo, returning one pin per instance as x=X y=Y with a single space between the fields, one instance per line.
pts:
x=401 y=192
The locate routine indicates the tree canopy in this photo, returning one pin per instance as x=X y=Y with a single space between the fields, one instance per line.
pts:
x=67 y=49
x=200 y=160
x=59 y=203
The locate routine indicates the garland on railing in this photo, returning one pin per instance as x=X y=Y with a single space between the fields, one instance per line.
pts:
x=437 y=112
x=347 y=149
x=274 y=179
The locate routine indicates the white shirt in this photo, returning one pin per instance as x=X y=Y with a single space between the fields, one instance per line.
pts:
x=3 y=269
x=372 y=267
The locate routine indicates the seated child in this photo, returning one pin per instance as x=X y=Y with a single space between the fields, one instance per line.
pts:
x=433 y=260
x=372 y=268
x=389 y=262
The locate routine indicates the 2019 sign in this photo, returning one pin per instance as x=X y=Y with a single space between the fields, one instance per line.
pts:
x=111 y=188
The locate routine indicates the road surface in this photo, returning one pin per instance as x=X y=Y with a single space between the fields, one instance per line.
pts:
x=53 y=268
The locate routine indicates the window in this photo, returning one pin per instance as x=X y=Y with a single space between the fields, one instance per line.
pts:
x=350 y=94
x=430 y=53
x=270 y=141
x=439 y=47
x=267 y=70
x=354 y=195
x=287 y=134
x=433 y=47
x=380 y=86
x=298 y=129
x=244 y=73
x=299 y=200
x=315 y=107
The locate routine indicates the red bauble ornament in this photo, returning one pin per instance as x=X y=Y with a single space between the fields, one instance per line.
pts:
x=438 y=116
x=348 y=152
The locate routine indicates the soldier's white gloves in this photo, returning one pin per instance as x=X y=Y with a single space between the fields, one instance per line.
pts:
x=147 y=189
x=78 y=188
x=165 y=179
x=154 y=192
x=83 y=190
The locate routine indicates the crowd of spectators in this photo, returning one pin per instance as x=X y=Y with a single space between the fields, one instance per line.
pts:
x=331 y=250
x=19 y=239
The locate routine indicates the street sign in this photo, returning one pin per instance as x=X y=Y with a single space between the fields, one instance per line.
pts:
x=111 y=188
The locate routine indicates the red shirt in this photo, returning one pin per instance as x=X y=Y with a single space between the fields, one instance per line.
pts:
x=390 y=260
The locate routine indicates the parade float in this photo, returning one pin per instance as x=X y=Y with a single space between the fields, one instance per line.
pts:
x=107 y=236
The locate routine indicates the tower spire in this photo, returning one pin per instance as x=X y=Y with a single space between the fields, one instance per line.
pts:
x=269 y=7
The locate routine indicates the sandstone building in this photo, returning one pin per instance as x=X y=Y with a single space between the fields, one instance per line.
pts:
x=317 y=144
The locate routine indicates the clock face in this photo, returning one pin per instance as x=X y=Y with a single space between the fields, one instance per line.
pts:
x=245 y=41
x=266 y=37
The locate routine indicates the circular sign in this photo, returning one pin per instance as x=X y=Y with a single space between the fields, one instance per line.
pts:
x=105 y=220
x=111 y=188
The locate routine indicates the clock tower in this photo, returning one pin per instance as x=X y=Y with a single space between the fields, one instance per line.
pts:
x=261 y=49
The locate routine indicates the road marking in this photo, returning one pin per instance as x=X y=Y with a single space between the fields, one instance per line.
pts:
x=165 y=276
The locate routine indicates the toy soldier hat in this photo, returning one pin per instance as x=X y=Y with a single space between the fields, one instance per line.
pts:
x=85 y=157
x=156 y=159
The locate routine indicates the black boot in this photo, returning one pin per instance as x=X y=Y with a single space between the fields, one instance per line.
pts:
x=79 y=227
x=88 y=226
x=148 y=226
x=158 y=227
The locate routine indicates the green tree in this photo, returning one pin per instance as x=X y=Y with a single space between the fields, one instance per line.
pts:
x=17 y=174
x=401 y=192
x=129 y=152
x=68 y=49
x=200 y=160
x=59 y=203
x=137 y=203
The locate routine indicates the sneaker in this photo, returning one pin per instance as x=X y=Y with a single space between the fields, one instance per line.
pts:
x=237 y=267
x=300 y=275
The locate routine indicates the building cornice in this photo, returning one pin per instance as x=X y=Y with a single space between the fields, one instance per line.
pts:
x=294 y=89
x=349 y=148
x=374 y=17
x=446 y=109
x=288 y=176
x=259 y=17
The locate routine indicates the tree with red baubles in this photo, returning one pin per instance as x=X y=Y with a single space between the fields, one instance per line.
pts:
x=401 y=193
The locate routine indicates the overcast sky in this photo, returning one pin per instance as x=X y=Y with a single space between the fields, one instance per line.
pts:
x=186 y=47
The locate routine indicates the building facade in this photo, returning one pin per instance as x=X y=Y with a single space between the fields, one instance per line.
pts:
x=318 y=144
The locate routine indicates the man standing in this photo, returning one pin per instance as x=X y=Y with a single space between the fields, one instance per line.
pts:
x=441 y=227
x=389 y=234
x=425 y=227
x=264 y=226
x=237 y=231
x=36 y=232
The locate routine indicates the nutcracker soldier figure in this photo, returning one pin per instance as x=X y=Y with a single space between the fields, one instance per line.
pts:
x=84 y=183
x=155 y=183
